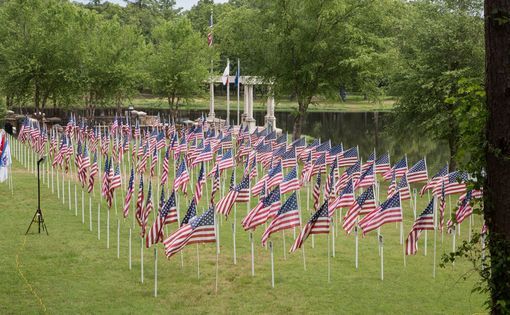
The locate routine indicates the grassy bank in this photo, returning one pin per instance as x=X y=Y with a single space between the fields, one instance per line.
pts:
x=354 y=104
x=71 y=271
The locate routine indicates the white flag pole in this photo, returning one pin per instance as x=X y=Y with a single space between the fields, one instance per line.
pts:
x=381 y=250
x=198 y=263
x=156 y=271
x=99 y=220
x=356 y=261
x=329 y=261
x=118 y=238
x=90 y=213
x=252 y=255
x=108 y=229
x=141 y=259
x=272 y=263
x=82 y=207
x=129 y=248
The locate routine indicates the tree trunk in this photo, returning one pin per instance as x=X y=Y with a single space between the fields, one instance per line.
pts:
x=303 y=103
x=453 y=145
x=497 y=186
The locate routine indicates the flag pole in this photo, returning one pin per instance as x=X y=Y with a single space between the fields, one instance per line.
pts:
x=329 y=262
x=381 y=250
x=118 y=238
x=333 y=236
x=198 y=263
x=272 y=263
x=238 y=76
x=217 y=252
x=356 y=261
x=108 y=229
x=82 y=206
x=252 y=255
x=228 y=93
x=435 y=237
x=129 y=246
x=156 y=272
x=141 y=259
x=284 y=247
x=99 y=220
x=90 y=213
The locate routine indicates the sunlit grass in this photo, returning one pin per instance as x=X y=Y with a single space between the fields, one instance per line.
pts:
x=71 y=271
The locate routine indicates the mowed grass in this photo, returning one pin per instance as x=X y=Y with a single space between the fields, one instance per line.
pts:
x=353 y=104
x=71 y=271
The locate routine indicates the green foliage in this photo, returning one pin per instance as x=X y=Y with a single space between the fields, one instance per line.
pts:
x=177 y=66
x=435 y=54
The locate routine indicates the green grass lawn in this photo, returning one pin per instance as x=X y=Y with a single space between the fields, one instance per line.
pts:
x=71 y=271
x=353 y=104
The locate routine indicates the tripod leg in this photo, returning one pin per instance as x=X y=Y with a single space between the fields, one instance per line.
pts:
x=33 y=219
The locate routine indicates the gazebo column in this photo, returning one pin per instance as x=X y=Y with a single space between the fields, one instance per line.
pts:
x=270 y=118
x=250 y=121
x=245 y=106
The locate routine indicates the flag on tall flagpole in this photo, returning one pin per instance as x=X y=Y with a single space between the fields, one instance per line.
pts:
x=318 y=224
x=226 y=74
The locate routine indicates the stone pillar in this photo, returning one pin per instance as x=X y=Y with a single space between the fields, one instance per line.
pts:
x=270 y=119
x=250 y=121
x=245 y=105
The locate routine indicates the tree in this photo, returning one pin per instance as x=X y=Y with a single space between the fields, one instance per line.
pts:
x=497 y=150
x=177 y=66
x=111 y=63
x=304 y=48
x=439 y=44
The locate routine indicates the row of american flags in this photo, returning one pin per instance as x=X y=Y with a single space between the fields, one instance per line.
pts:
x=273 y=171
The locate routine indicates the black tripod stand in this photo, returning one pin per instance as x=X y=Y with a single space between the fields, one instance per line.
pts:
x=38 y=216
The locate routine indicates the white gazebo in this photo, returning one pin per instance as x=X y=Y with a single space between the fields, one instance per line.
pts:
x=247 y=117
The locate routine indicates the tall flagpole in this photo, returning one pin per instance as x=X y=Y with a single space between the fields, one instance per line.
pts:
x=238 y=78
x=211 y=84
x=228 y=93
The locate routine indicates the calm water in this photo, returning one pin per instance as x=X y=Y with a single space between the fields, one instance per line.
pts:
x=367 y=130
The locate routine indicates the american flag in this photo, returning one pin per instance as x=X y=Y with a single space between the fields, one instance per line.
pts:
x=129 y=193
x=139 y=201
x=244 y=190
x=310 y=148
x=365 y=203
x=155 y=234
x=191 y=213
x=353 y=172
x=389 y=211
x=289 y=158
x=227 y=160
x=323 y=148
x=160 y=141
x=392 y=188
x=334 y=154
x=181 y=177
x=164 y=175
x=348 y=157
x=442 y=205
x=172 y=215
x=418 y=172
x=281 y=141
x=147 y=210
x=435 y=180
x=456 y=183
x=264 y=210
x=93 y=172
x=367 y=179
x=299 y=145
x=330 y=181
x=400 y=169
x=226 y=142
x=425 y=221
x=84 y=165
x=286 y=218
x=104 y=187
x=200 y=183
x=290 y=181
x=210 y=33
x=275 y=175
x=307 y=167
x=225 y=204
x=318 y=224
x=369 y=162
x=317 y=192
x=142 y=163
x=154 y=161
x=319 y=166
x=382 y=164
x=465 y=208
x=345 y=199
x=216 y=184
x=204 y=156
x=200 y=230
x=116 y=179
x=403 y=188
